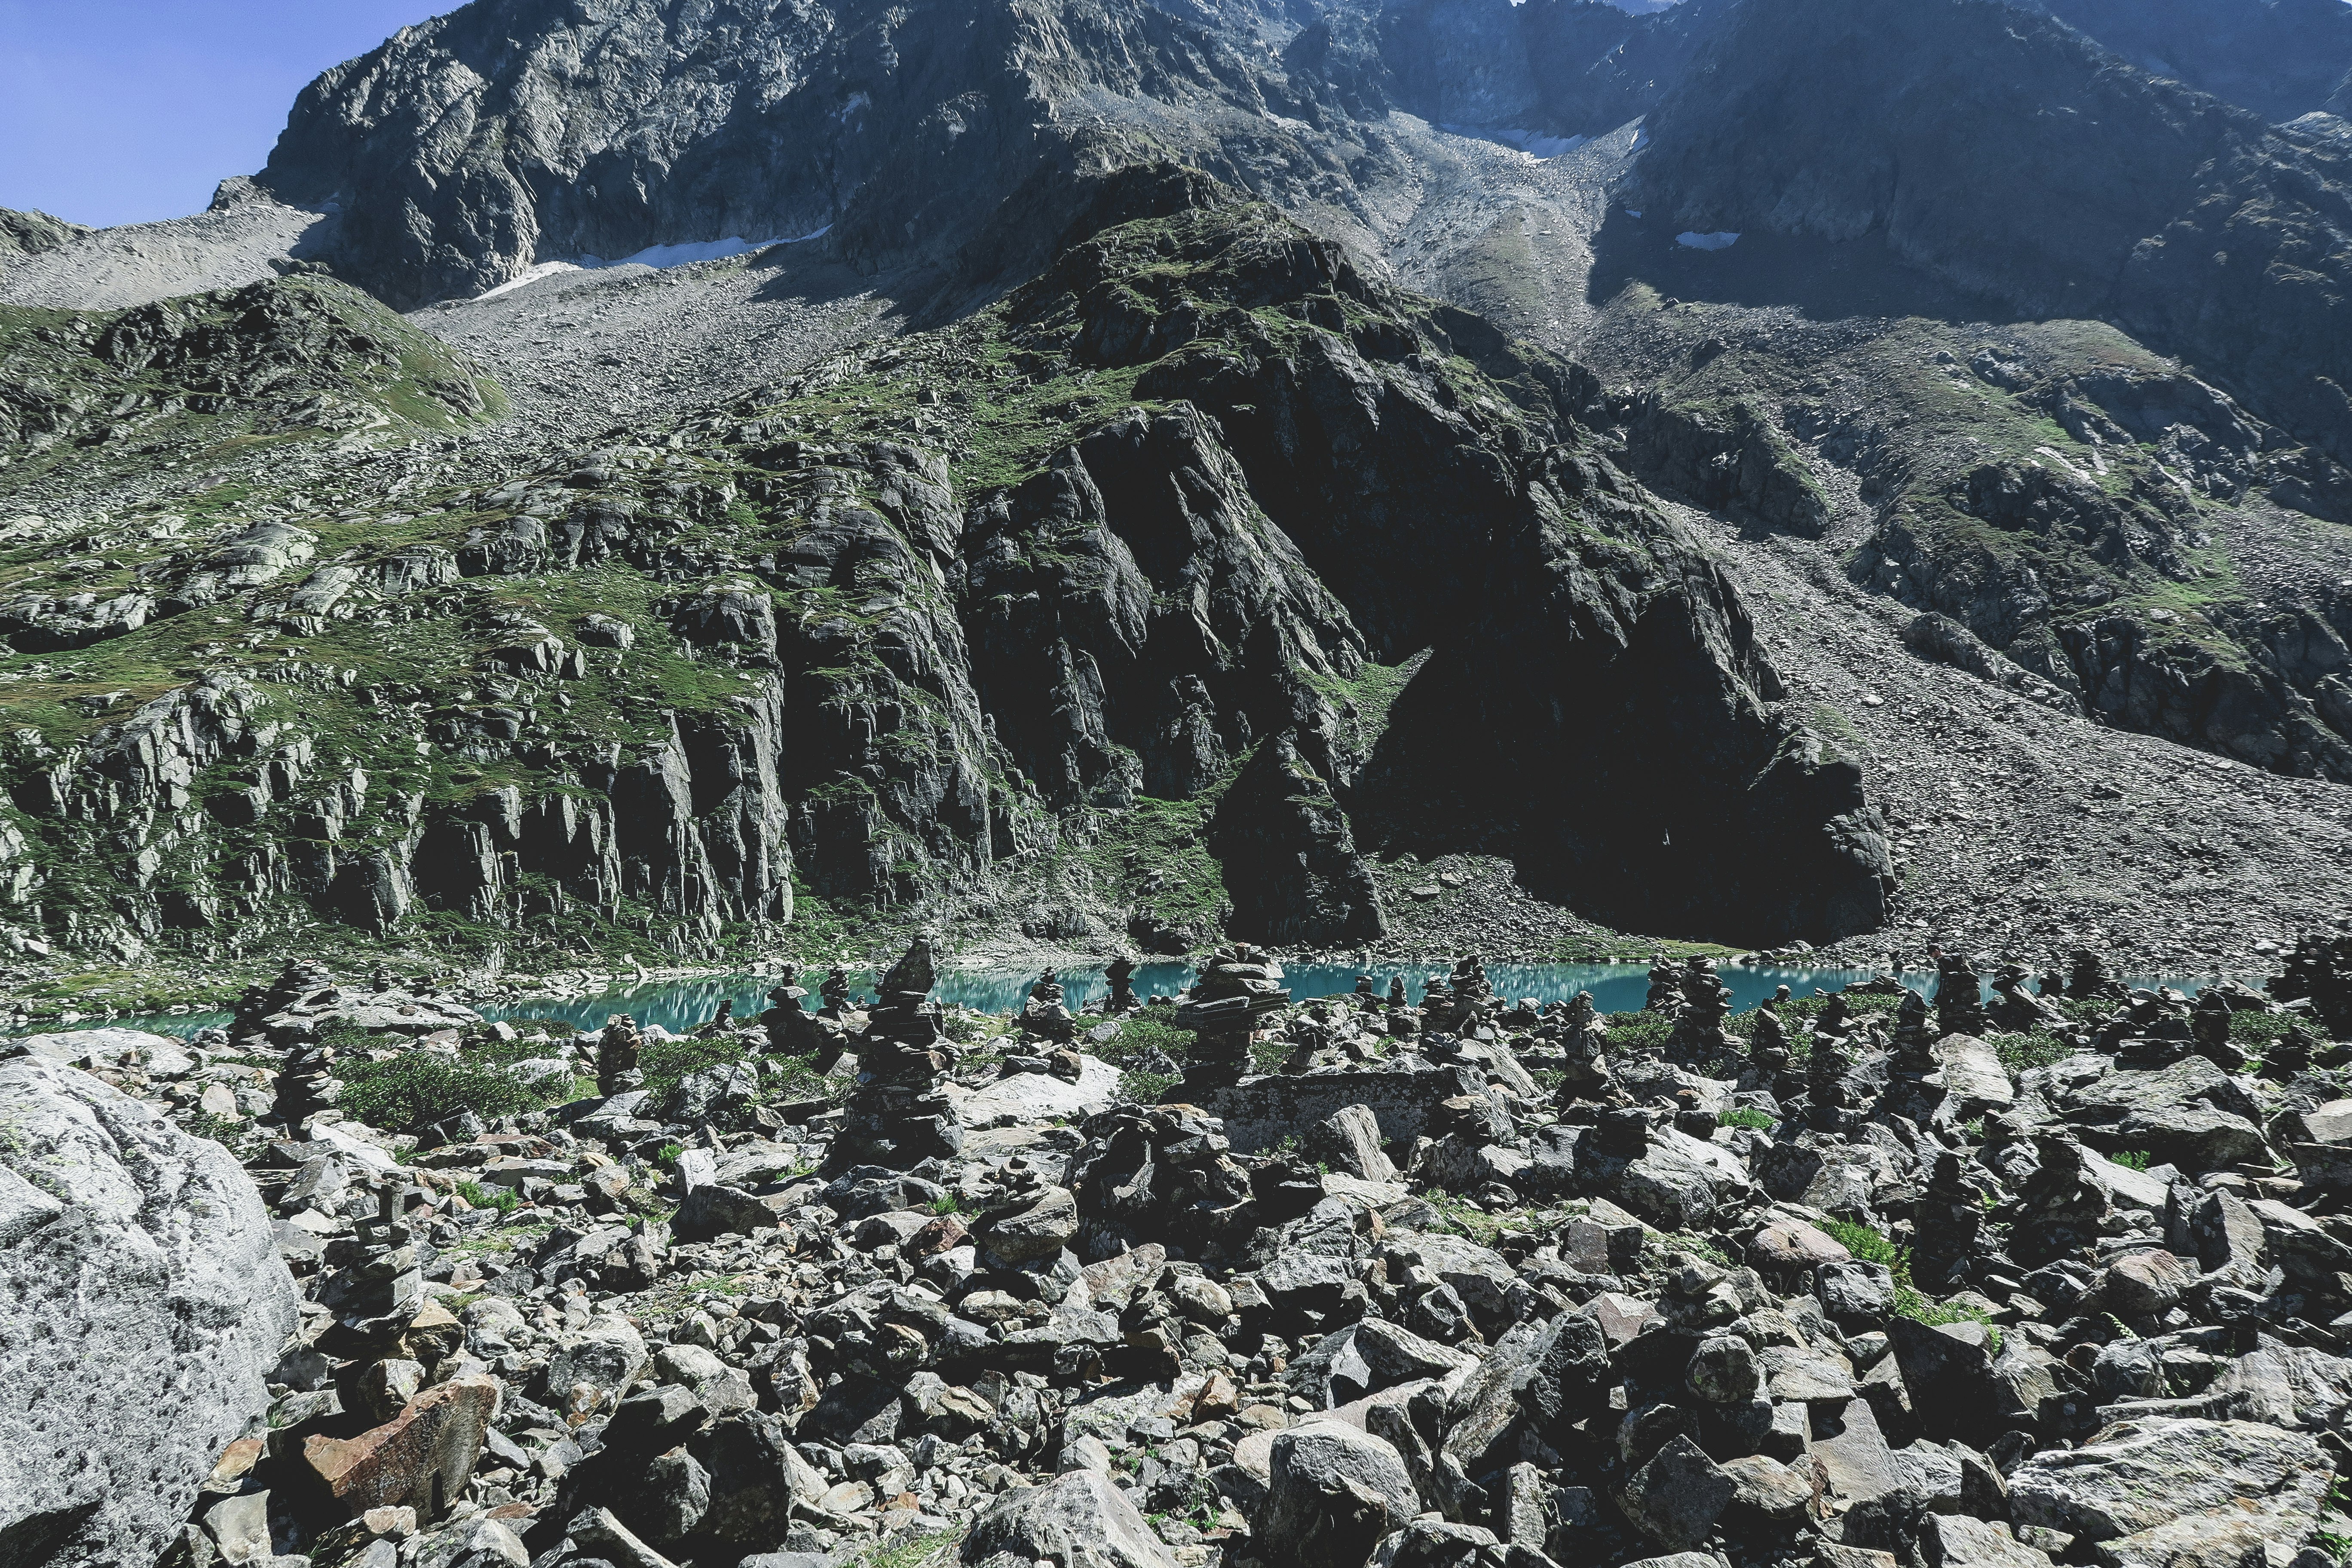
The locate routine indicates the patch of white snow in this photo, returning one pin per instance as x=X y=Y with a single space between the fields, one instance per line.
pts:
x=528 y=276
x=655 y=255
x=1534 y=143
x=1717 y=241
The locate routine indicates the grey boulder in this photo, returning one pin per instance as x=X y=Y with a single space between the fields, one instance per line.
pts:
x=1333 y=1492
x=2140 y=1485
x=1077 y=1520
x=1349 y=1140
x=141 y=1309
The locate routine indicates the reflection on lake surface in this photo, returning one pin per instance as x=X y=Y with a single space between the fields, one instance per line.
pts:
x=681 y=1005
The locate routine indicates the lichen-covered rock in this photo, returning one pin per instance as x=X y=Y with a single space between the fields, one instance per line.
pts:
x=2143 y=1476
x=143 y=1307
x=1078 y=1519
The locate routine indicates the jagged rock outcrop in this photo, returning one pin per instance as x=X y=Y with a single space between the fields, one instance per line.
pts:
x=2188 y=222
x=302 y=352
x=142 y=1308
x=1728 y=457
x=32 y=233
x=1140 y=620
x=890 y=658
x=1290 y=857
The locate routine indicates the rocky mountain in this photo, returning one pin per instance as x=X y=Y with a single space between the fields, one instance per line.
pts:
x=2185 y=223
x=30 y=232
x=903 y=1281
x=936 y=559
x=471 y=145
x=859 y=637
x=2194 y=225
x=2281 y=58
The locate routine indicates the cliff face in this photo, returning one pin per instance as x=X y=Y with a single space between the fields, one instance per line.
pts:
x=466 y=148
x=32 y=233
x=1145 y=532
x=510 y=132
x=2186 y=221
x=2281 y=58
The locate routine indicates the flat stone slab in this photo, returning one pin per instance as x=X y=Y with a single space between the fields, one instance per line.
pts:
x=108 y=1043
x=1972 y=1074
x=1259 y=1112
x=1039 y=1096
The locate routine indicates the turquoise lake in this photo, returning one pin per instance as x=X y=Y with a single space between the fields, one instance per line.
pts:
x=679 y=1005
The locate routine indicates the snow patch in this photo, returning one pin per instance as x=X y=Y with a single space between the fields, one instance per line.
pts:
x=1717 y=241
x=1534 y=143
x=528 y=276
x=655 y=255
x=663 y=256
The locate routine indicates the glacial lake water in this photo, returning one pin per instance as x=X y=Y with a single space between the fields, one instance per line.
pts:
x=681 y=1005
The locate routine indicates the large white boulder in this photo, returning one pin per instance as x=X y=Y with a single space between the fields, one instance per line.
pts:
x=141 y=1307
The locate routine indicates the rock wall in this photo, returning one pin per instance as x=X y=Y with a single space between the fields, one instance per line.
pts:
x=656 y=688
x=142 y=1305
x=2186 y=221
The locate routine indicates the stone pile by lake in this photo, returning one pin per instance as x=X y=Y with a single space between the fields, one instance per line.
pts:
x=1237 y=1281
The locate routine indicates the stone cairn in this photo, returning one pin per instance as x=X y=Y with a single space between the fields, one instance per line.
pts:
x=1120 y=972
x=1046 y=1016
x=782 y=1020
x=2319 y=969
x=2016 y=1010
x=2209 y=1029
x=1699 y=1037
x=1437 y=1003
x=377 y=1294
x=308 y=1084
x=617 y=1049
x=1665 y=986
x=2088 y=980
x=1583 y=1039
x=1401 y=1023
x=795 y=1031
x=896 y=1116
x=299 y=978
x=1915 y=1037
x=1959 y=996
x=1769 y=1052
x=1950 y=1215
x=1472 y=993
x=1238 y=985
x=833 y=992
x=1826 y=1068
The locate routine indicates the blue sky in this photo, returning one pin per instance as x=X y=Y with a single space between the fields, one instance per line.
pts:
x=121 y=110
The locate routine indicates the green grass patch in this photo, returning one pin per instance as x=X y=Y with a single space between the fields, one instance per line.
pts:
x=920 y=1550
x=1866 y=1245
x=2256 y=1033
x=665 y=1062
x=419 y=1088
x=2022 y=1053
x=505 y=1200
x=1457 y=1216
x=1656 y=1248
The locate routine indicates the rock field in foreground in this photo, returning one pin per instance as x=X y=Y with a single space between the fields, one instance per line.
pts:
x=1850 y=1280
